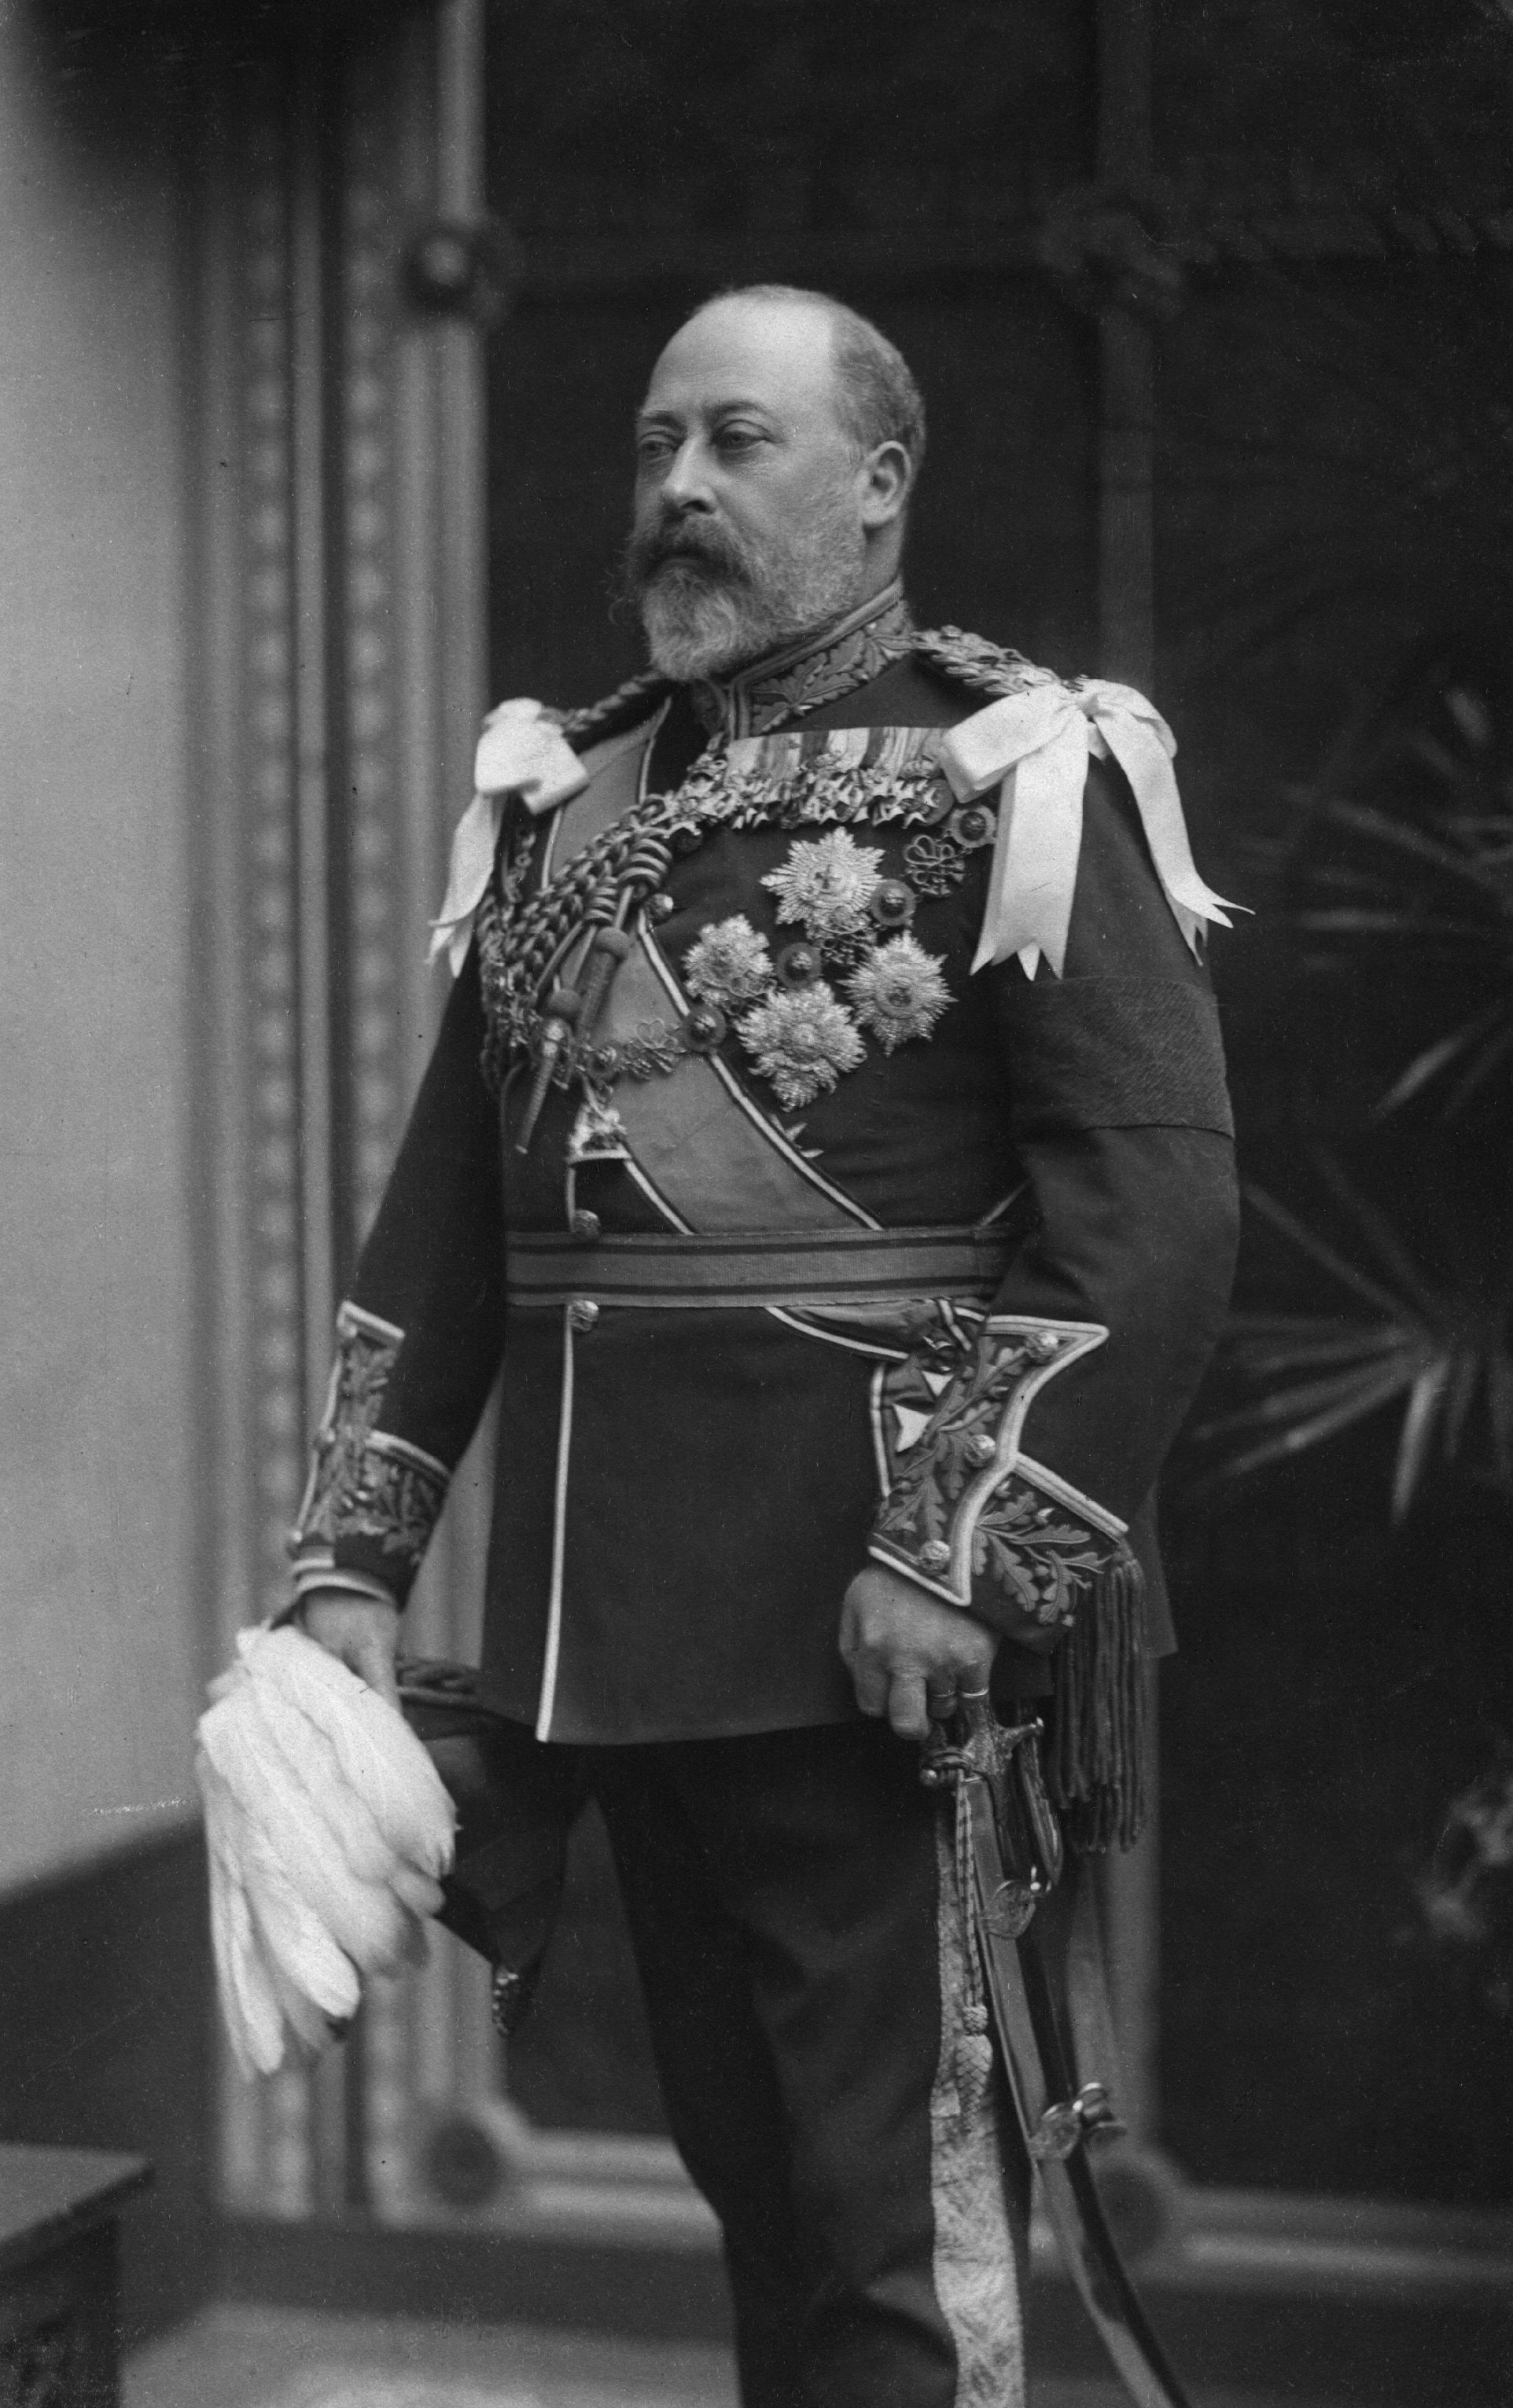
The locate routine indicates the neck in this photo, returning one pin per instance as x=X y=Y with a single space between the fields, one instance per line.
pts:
x=809 y=668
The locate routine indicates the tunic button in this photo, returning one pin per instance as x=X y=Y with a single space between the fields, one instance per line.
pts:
x=584 y=1228
x=1040 y=1346
x=980 y=1448
x=582 y=1313
x=661 y=907
x=704 y=1027
x=934 y=1555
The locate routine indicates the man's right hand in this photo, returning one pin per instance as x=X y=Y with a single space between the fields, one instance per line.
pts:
x=907 y=1652
x=359 y=1631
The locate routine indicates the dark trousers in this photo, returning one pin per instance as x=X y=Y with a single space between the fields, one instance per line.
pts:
x=791 y=1901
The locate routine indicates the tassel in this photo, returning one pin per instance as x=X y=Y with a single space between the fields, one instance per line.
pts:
x=973 y=2057
x=1095 y=1742
x=972 y=2053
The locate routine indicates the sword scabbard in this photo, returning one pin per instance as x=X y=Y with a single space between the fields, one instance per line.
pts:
x=1011 y=1859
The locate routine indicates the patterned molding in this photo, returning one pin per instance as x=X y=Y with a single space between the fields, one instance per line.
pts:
x=265 y=813
x=342 y=456
x=308 y=721
x=368 y=249
x=372 y=705
x=269 y=836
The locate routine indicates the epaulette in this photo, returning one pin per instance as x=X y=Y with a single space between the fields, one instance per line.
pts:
x=971 y=661
x=616 y=711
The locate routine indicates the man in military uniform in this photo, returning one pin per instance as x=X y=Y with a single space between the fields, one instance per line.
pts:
x=826 y=1150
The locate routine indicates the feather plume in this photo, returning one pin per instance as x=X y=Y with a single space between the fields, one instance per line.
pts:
x=379 y=1753
x=310 y=1761
x=362 y=1918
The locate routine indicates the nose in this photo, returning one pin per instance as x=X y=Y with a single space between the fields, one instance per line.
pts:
x=685 y=484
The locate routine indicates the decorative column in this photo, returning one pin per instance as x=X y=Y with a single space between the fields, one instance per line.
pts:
x=340 y=638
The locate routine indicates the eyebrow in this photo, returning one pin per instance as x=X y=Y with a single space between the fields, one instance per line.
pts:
x=715 y=409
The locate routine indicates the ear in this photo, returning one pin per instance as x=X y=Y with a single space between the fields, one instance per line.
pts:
x=885 y=478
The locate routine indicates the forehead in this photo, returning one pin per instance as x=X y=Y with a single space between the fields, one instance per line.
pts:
x=777 y=354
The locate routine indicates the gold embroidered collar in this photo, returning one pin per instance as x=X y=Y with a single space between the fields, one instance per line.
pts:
x=815 y=670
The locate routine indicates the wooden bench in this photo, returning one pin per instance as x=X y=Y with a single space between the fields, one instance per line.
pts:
x=59 y=2286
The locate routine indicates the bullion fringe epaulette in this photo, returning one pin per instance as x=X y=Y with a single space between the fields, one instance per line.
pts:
x=971 y=661
x=613 y=712
x=965 y=659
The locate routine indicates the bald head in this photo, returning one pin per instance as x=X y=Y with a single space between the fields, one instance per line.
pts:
x=779 y=352
x=875 y=396
x=762 y=512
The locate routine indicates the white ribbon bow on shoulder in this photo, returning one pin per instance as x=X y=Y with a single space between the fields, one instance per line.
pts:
x=1037 y=745
x=519 y=752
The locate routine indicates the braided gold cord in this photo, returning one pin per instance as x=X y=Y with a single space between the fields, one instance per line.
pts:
x=522 y=939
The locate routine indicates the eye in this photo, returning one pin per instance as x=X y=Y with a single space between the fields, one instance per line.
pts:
x=739 y=438
x=654 y=447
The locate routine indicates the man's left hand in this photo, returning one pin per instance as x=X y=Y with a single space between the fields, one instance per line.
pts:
x=908 y=1654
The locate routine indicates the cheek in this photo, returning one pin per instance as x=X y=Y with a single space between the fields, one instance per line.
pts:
x=821 y=497
x=645 y=499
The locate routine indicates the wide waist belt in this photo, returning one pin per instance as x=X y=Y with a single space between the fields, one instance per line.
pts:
x=753 y=1267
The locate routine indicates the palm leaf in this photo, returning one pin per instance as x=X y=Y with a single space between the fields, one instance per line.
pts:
x=1301 y=1435
x=1406 y=860
x=1488 y=1037
x=1425 y=1403
x=1299 y=1379
x=1318 y=1250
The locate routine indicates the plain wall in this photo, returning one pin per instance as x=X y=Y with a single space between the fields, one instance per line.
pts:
x=96 y=1697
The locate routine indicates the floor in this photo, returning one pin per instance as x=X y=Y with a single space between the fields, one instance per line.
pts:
x=266 y=2358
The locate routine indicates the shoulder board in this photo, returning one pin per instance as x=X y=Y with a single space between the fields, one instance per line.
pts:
x=971 y=661
x=616 y=711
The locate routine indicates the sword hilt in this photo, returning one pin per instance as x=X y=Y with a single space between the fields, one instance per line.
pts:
x=972 y=1744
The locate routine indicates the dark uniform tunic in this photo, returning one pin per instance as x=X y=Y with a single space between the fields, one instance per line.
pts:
x=685 y=1489
x=828 y=1246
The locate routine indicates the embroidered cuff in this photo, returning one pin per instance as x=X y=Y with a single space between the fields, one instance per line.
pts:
x=968 y=1515
x=365 y=1484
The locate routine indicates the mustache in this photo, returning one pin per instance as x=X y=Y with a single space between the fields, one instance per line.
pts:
x=700 y=544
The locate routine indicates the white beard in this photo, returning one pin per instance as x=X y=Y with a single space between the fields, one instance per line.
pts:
x=701 y=622
x=696 y=628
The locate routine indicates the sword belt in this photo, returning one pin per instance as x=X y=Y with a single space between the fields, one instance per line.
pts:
x=834 y=1268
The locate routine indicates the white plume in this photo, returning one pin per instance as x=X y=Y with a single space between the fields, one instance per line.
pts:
x=308 y=1758
x=378 y=1751
x=361 y=1916
x=326 y=1825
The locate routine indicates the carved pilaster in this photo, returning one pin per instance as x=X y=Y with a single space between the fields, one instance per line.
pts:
x=322 y=798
